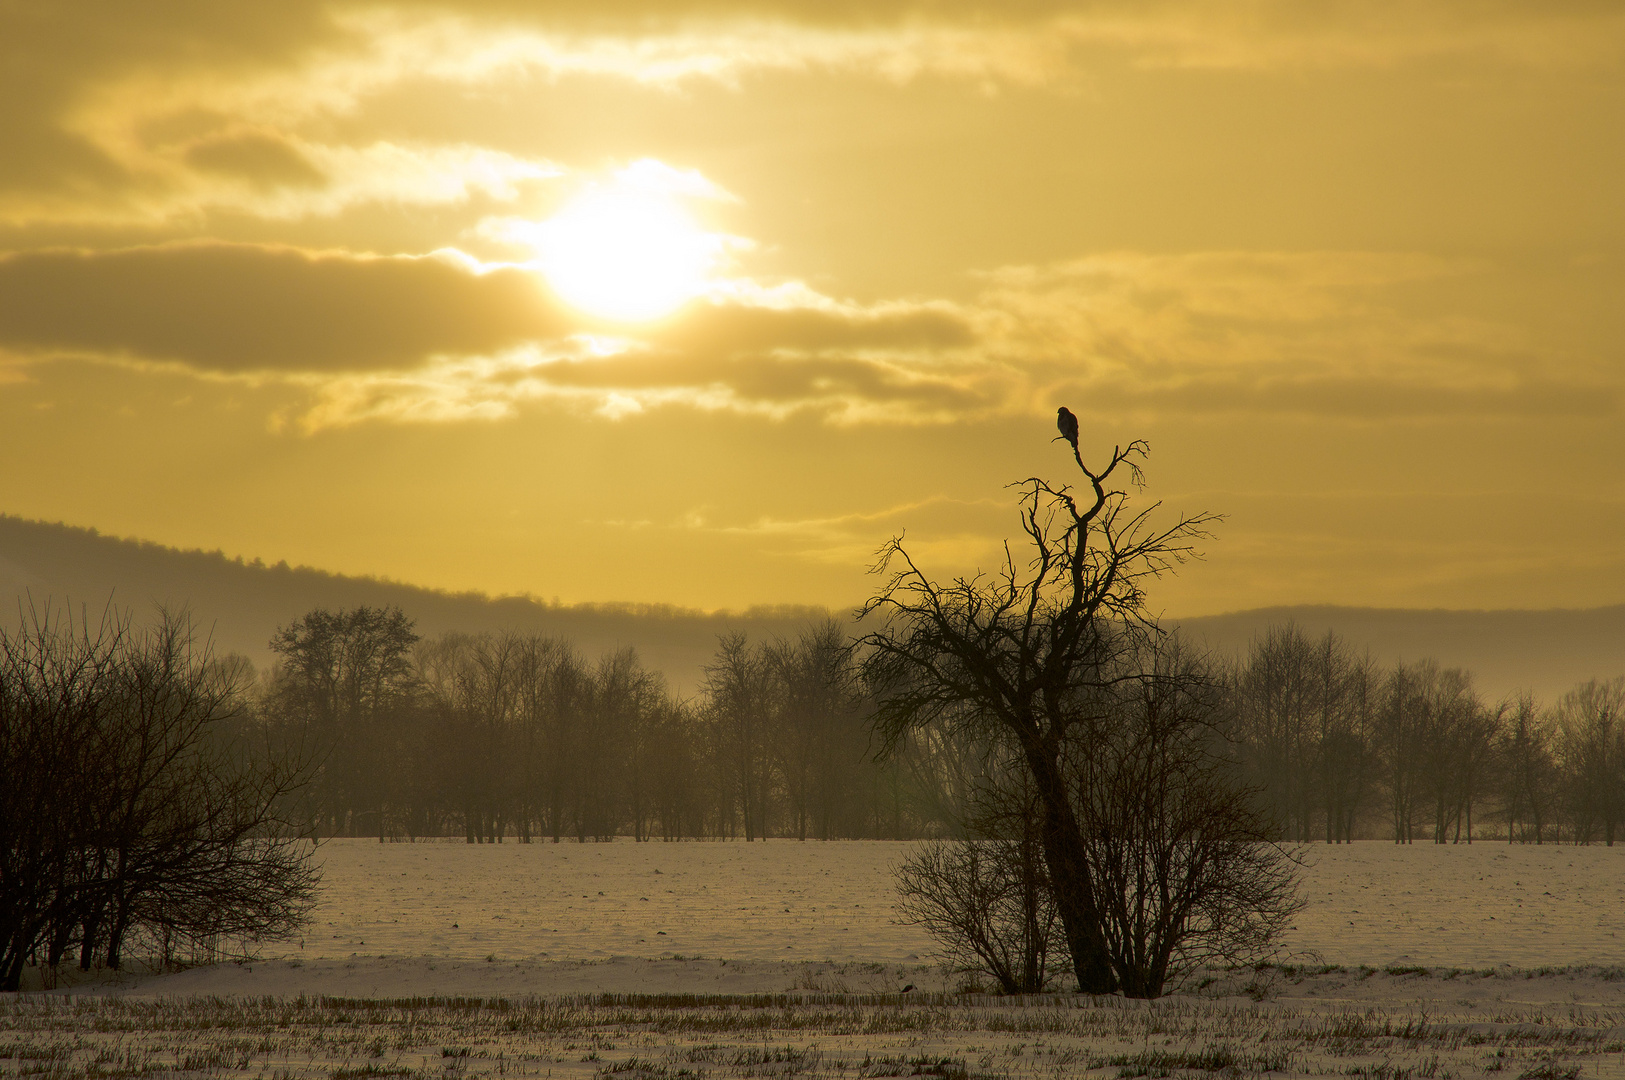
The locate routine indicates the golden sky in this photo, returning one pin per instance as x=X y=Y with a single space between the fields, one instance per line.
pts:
x=636 y=300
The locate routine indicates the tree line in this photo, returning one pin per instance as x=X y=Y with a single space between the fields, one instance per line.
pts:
x=518 y=735
x=1341 y=748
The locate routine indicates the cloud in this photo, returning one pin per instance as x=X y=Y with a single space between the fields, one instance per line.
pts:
x=426 y=338
x=238 y=308
x=155 y=112
x=845 y=367
x=1348 y=336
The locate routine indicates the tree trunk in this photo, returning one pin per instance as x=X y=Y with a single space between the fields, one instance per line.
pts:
x=1068 y=866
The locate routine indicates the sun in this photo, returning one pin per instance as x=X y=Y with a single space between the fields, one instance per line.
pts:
x=624 y=252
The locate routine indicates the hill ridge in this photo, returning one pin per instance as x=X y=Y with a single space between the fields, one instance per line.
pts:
x=1545 y=650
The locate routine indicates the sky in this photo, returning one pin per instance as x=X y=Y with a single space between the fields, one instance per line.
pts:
x=701 y=303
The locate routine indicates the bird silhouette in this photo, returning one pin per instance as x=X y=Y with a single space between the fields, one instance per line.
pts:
x=1068 y=425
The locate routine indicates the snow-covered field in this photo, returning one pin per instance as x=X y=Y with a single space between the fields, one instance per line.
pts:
x=1338 y=1023
x=711 y=959
x=1369 y=903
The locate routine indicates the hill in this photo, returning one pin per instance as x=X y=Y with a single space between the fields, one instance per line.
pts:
x=244 y=602
x=1544 y=651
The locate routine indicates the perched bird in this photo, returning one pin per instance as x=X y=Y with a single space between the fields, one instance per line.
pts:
x=1068 y=425
x=908 y=988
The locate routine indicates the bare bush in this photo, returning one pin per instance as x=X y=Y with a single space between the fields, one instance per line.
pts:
x=140 y=804
x=987 y=904
x=1185 y=867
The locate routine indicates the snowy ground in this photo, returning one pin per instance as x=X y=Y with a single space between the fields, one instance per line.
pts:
x=1338 y=1023
x=780 y=959
x=1369 y=903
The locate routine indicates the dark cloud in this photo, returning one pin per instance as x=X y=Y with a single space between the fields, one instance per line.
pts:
x=52 y=54
x=239 y=307
x=243 y=307
x=258 y=157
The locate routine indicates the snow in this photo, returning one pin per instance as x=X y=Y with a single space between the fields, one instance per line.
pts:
x=1463 y=905
x=507 y=920
x=1368 y=903
x=1341 y=1022
x=444 y=961
x=775 y=900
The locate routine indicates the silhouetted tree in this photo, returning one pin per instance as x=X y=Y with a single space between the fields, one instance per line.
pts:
x=985 y=895
x=1181 y=852
x=1286 y=693
x=740 y=705
x=1591 y=720
x=1527 y=770
x=1031 y=651
x=1401 y=740
x=139 y=799
x=344 y=681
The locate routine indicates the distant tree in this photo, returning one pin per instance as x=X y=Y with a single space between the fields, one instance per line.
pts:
x=541 y=745
x=627 y=703
x=1527 y=770
x=673 y=775
x=1305 y=710
x=1282 y=707
x=1457 y=735
x=1401 y=738
x=344 y=681
x=740 y=708
x=1591 y=720
x=1347 y=759
x=486 y=692
x=821 y=733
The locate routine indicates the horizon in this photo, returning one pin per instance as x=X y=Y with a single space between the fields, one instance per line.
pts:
x=1547 y=652
x=260 y=562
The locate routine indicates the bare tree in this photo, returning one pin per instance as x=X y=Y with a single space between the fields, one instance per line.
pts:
x=1282 y=706
x=741 y=701
x=152 y=797
x=1591 y=719
x=1401 y=739
x=344 y=682
x=986 y=903
x=1184 y=862
x=1033 y=651
x=821 y=733
x=1527 y=770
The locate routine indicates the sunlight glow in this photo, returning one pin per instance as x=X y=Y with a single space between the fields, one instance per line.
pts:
x=626 y=251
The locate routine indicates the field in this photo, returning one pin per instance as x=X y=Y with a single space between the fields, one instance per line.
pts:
x=783 y=959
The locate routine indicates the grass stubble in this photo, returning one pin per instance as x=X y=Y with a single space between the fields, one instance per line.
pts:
x=1398 y=1023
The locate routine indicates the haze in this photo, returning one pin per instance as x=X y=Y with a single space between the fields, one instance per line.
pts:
x=698 y=304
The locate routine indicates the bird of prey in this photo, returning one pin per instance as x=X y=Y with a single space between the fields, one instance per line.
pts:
x=1068 y=425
